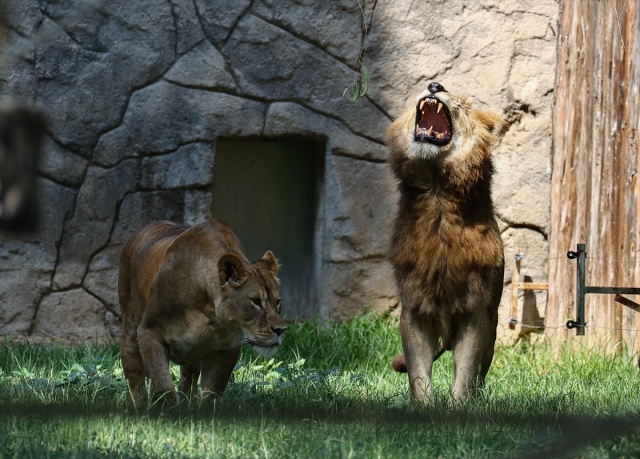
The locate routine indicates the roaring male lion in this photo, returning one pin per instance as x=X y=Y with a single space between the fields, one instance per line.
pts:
x=189 y=295
x=446 y=249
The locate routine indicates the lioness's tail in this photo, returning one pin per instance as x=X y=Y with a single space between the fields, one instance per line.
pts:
x=400 y=365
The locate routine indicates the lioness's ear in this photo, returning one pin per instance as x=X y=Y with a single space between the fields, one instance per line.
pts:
x=231 y=270
x=270 y=262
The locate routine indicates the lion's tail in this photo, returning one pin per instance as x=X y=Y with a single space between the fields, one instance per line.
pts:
x=400 y=365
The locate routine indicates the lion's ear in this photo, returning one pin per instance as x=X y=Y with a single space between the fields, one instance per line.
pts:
x=270 y=262
x=492 y=122
x=231 y=270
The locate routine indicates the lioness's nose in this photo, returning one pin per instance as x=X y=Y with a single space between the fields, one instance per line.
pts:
x=435 y=87
x=279 y=329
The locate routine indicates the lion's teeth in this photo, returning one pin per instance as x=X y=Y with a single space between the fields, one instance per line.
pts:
x=421 y=105
x=440 y=136
x=430 y=131
x=417 y=129
x=439 y=107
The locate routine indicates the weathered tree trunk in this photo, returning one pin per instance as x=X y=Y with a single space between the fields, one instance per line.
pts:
x=594 y=184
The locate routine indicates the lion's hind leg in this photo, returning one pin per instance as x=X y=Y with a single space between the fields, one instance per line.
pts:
x=485 y=363
x=133 y=368
x=132 y=364
x=489 y=347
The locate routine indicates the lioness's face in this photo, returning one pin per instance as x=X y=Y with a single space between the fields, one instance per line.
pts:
x=444 y=125
x=250 y=299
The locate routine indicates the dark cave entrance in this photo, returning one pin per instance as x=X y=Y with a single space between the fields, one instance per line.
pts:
x=270 y=193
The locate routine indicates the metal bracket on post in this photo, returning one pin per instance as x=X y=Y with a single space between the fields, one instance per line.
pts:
x=581 y=255
x=581 y=290
x=627 y=302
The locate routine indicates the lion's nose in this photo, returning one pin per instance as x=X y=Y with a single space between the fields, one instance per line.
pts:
x=435 y=87
x=279 y=329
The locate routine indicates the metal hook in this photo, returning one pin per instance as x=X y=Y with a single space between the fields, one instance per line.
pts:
x=573 y=324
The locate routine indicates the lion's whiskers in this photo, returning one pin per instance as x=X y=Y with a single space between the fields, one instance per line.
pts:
x=238 y=343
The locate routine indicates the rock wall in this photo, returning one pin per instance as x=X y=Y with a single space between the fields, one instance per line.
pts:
x=136 y=94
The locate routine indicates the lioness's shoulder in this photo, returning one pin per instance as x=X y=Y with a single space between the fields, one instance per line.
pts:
x=214 y=234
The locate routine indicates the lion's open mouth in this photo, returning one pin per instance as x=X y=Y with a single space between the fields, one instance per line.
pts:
x=433 y=122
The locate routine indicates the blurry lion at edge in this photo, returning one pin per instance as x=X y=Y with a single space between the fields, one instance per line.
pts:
x=446 y=250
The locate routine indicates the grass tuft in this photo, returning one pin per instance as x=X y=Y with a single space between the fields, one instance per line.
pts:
x=329 y=392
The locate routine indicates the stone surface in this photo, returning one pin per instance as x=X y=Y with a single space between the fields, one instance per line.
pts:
x=22 y=288
x=27 y=262
x=286 y=119
x=60 y=317
x=138 y=209
x=218 y=19
x=62 y=165
x=151 y=125
x=271 y=63
x=187 y=25
x=189 y=166
x=137 y=95
x=358 y=228
x=90 y=226
x=312 y=26
x=358 y=285
x=17 y=73
x=101 y=280
x=203 y=67
x=91 y=59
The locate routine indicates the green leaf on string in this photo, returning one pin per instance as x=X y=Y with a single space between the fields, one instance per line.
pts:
x=355 y=94
x=365 y=81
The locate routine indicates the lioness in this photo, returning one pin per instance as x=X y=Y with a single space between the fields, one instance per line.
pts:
x=190 y=295
x=446 y=250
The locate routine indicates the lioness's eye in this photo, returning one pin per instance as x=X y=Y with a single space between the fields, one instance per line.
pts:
x=257 y=302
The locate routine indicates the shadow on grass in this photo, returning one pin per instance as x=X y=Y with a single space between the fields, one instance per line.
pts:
x=554 y=436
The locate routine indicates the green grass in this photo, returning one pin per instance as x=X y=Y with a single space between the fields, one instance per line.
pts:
x=329 y=392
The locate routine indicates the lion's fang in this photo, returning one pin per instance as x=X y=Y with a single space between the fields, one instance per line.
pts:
x=439 y=107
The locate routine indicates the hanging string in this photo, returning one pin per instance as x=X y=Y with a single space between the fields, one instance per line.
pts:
x=556 y=327
x=617 y=260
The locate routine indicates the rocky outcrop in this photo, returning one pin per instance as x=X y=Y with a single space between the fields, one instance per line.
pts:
x=136 y=95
